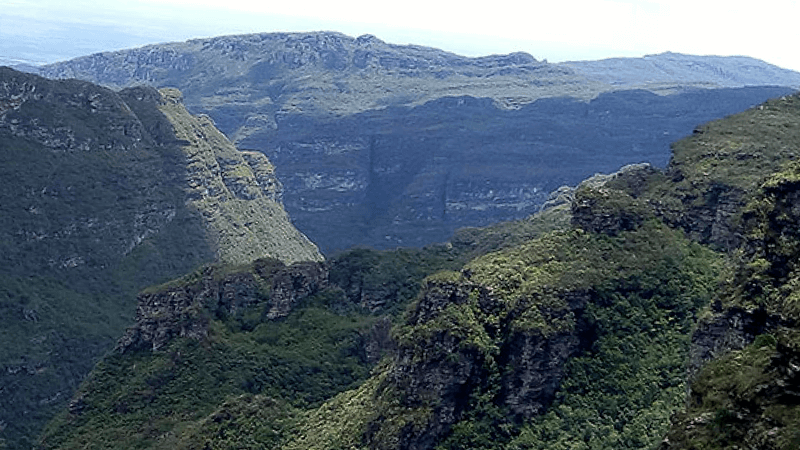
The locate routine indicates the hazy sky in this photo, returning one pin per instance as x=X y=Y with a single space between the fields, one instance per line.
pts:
x=556 y=30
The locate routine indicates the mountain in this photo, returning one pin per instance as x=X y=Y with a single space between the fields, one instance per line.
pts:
x=105 y=193
x=386 y=145
x=668 y=69
x=516 y=335
x=650 y=307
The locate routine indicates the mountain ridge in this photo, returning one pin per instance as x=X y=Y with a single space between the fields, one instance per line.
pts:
x=668 y=68
x=408 y=143
x=100 y=199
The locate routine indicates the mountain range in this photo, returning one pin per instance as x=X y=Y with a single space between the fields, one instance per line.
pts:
x=386 y=145
x=654 y=306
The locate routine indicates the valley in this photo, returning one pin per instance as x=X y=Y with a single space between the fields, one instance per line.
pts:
x=482 y=286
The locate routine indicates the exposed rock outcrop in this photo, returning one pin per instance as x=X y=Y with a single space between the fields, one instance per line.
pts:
x=538 y=368
x=460 y=335
x=236 y=192
x=725 y=331
x=105 y=193
x=185 y=309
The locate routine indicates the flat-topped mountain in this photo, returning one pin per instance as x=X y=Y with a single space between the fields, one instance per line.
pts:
x=103 y=194
x=666 y=70
x=320 y=73
x=386 y=145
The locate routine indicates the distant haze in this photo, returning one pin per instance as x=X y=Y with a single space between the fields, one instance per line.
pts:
x=46 y=31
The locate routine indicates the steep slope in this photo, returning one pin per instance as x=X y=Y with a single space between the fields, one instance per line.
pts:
x=410 y=176
x=405 y=144
x=236 y=192
x=98 y=203
x=732 y=185
x=747 y=394
x=480 y=353
x=579 y=337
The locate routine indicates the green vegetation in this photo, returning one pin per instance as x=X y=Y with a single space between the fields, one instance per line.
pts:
x=69 y=264
x=767 y=271
x=621 y=392
x=744 y=399
x=93 y=210
x=741 y=150
x=568 y=330
x=145 y=399
x=643 y=287
x=386 y=280
x=717 y=171
x=192 y=394
x=474 y=242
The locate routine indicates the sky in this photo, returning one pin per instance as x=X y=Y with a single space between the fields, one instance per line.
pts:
x=43 y=31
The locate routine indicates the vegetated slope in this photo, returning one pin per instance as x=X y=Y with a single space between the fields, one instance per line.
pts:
x=479 y=354
x=732 y=186
x=574 y=338
x=99 y=199
x=747 y=395
x=405 y=144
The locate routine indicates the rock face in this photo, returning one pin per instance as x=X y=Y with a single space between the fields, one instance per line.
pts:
x=538 y=364
x=103 y=194
x=237 y=193
x=385 y=145
x=441 y=371
x=732 y=329
x=744 y=377
x=443 y=367
x=183 y=310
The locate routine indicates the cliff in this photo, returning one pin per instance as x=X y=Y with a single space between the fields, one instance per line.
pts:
x=406 y=144
x=236 y=192
x=638 y=306
x=103 y=194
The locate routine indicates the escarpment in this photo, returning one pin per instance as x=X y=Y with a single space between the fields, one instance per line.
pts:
x=105 y=193
x=639 y=305
x=236 y=193
x=406 y=144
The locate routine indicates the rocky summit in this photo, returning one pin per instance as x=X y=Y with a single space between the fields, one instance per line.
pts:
x=387 y=145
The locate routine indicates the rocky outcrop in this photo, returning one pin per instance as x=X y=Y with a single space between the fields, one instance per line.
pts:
x=358 y=74
x=105 y=193
x=439 y=369
x=538 y=368
x=725 y=331
x=60 y=123
x=609 y=204
x=236 y=193
x=460 y=338
x=293 y=284
x=185 y=309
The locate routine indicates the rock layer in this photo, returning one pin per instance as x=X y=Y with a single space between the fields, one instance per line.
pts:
x=386 y=145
